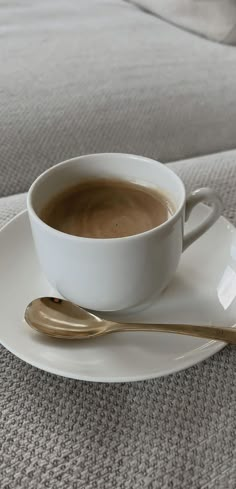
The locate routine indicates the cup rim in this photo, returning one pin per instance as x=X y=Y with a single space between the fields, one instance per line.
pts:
x=162 y=227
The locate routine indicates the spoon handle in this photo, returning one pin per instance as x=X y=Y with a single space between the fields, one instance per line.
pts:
x=212 y=332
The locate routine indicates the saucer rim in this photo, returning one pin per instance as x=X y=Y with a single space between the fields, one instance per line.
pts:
x=215 y=347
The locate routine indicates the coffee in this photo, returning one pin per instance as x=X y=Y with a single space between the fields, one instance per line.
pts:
x=107 y=209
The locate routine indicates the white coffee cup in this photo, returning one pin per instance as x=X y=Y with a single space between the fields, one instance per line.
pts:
x=119 y=273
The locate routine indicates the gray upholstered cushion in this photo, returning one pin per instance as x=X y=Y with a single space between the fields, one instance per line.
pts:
x=213 y=19
x=172 y=433
x=81 y=76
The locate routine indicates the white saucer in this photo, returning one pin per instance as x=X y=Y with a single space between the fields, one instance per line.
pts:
x=203 y=291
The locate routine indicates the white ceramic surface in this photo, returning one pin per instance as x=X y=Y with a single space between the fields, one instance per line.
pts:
x=114 y=274
x=197 y=294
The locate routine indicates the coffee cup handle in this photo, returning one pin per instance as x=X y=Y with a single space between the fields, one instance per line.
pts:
x=201 y=195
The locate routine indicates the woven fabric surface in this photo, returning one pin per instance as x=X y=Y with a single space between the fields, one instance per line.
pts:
x=85 y=76
x=176 y=432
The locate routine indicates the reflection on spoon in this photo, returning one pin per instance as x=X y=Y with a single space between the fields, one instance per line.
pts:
x=62 y=319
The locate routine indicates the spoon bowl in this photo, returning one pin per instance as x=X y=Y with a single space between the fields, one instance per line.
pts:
x=62 y=319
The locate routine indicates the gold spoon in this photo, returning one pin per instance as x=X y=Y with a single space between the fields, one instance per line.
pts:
x=62 y=319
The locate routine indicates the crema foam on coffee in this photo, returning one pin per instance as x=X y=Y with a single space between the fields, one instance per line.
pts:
x=107 y=208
